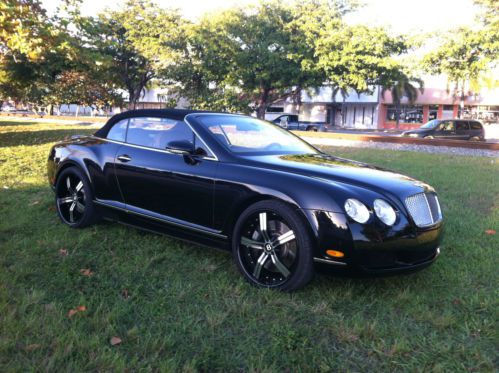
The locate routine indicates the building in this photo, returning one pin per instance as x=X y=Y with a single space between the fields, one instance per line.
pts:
x=377 y=111
x=352 y=111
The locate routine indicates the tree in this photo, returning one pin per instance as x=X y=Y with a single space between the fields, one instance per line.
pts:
x=467 y=56
x=402 y=85
x=24 y=29
x=23 y=36
x=133 y=45
x=34 y=49
x=245 y=56
x=81 y=88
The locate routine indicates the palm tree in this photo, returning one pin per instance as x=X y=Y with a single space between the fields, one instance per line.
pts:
x=400 y=87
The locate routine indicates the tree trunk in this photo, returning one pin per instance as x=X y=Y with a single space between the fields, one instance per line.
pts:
x=131 y=99
x=261 y=107
x=461 y=104
x=134 y=97
x=397 y=114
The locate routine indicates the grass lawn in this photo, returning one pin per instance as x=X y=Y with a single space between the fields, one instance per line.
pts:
x=177 y=306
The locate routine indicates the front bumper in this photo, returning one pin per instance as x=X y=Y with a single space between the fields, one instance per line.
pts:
x=373 y=248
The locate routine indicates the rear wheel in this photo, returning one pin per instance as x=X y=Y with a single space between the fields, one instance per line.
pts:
x=312 y=128
x=272 y=248
x=74 y=199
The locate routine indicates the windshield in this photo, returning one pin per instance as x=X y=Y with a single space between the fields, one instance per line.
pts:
x=431 y=124
x=252 y=136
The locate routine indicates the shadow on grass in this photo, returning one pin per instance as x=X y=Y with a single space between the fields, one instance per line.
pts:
x=8 y=139
x=11 y=123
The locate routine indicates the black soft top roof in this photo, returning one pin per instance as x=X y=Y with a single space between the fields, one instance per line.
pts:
x=176 y=114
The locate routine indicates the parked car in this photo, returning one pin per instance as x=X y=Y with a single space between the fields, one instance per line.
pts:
x=454 y=129
x=291 y=122
x=236 y=182
x=8 y=108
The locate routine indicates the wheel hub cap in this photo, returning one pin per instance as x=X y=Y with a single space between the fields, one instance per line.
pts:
x=268 y=247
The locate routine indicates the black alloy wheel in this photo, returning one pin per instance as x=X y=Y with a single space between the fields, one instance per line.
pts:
x=74 y=199
x=272 y=248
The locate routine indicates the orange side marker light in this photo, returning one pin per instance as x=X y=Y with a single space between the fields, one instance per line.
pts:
x=335 y=253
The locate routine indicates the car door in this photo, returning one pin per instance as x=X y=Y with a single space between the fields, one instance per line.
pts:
x=462 y=130
x=162 y=184
x=293 y=123
x=445 y=130
x=476 y=130
x=101 y=170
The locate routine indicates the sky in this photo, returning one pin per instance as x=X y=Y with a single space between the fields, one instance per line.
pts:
x=401 y=16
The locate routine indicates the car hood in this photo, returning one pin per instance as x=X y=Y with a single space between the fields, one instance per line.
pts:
x=335 y=169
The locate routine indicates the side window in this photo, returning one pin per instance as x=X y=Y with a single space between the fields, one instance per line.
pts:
x=447 y=126
x=118 y=131
x=461 y=126
x=475 y=126
x=157 y=132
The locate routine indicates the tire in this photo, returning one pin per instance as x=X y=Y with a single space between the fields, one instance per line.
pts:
x=261 y=258
x=312 y=128
x=74 y=199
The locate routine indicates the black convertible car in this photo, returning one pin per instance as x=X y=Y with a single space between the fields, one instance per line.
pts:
x=246 y=185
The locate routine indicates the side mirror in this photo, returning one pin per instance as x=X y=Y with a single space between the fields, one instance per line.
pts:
x=180 y=147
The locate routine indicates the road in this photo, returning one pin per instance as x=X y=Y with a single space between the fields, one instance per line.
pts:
x=491 y=132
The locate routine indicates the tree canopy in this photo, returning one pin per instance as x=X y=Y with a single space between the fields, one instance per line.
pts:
x=241 y=59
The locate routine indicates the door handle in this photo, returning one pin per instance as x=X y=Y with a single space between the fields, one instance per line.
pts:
x=124 y=158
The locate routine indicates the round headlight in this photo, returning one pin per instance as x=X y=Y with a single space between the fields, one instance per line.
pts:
x=357 y=210
x=384 y=212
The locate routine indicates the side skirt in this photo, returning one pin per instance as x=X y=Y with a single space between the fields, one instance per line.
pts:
x=164 y=227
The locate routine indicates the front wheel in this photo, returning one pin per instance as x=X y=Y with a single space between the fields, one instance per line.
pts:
x=74 y=199
x=272 y=248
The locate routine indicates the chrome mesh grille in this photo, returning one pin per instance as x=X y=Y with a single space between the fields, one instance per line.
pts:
x=424 y=209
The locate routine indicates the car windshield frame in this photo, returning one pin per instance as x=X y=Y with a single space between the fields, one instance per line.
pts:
x=432 y=124
x=206 y=121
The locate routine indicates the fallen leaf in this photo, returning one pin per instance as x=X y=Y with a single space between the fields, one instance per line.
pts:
x=490 y=231
x=72 y=312
x=86 y=272
x=32 y=347
x=457 y=301
x=63 y=252
x=51 y=209
x=34 y=203
x=115 y=341
x=124 y=294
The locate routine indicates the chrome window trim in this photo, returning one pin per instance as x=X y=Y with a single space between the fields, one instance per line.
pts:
x=209 y=158
x=186 y=120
